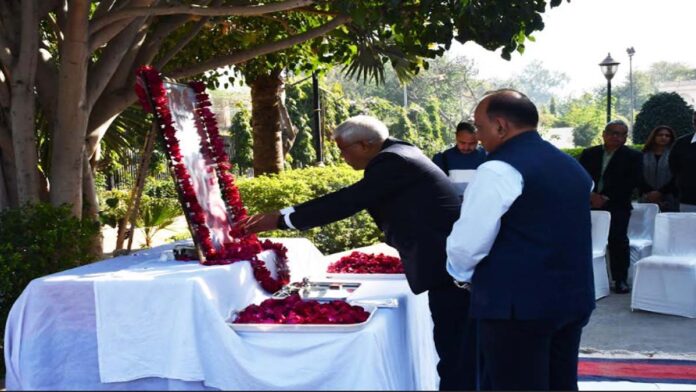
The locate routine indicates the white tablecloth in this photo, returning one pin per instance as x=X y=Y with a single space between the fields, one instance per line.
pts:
x=137 y=322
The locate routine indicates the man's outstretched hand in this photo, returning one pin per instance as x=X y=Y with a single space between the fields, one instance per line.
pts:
x=258 y=223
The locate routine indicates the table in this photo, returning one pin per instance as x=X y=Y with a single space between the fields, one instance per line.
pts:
x=145 y=322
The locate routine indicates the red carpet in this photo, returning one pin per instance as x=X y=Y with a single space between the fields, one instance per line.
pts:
x=637 y=370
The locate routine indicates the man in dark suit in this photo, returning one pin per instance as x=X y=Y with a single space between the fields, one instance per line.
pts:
x=523 y=244
x=682 y=163
x=616 y=171
x=414 y=204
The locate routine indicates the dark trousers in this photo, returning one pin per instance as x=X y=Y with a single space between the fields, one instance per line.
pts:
x=532 y=354
x=455 y=338
x=619 y=251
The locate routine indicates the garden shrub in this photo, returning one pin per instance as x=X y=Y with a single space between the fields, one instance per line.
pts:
x=663 y=109
x=37 y=240
x=276 y=191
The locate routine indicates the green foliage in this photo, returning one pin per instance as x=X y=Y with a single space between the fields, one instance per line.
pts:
x=335 y=108
x=273 y=192
x=537 y=82
x=573 y=152
x=158 y=201
x=113 y=206
x=157 y=214
x=157 y=188
x=37 y=240
x=647 y=83
x=587 y=116
x=663 y=109
x=242 y=140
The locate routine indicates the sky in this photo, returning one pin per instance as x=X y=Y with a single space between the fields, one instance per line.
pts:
x=578 y=35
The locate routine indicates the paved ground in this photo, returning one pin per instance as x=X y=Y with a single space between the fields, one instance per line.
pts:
x=615 y=329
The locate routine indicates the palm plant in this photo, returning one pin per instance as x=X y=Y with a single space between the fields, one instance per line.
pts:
x=156 y=215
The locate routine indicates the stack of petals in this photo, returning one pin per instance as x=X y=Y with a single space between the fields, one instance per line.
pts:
x=364 y=263
x=293 y=310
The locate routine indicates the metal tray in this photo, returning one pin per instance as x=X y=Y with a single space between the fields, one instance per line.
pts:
x=353 y=276
x=305 y=328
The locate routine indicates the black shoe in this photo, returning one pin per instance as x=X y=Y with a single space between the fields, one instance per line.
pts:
x=621 y=287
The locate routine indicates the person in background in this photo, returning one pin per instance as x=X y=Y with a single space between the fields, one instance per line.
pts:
x=460 y=162
x=682 y=162
x=415 y=205
x=658 y=183
x=616 y=171
x=523 y=244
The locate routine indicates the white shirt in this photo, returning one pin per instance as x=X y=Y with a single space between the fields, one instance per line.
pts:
x=489 y=196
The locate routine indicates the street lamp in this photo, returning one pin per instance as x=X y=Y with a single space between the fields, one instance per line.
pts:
x=609 y=67
x=631 y=52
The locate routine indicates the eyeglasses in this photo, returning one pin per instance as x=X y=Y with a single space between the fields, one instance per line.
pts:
x=347 y=146
x=617 y=134
x=344 y=148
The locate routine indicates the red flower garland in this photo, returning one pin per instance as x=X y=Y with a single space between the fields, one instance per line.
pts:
x=244 y=247
x=293 y=310
x=363 y=263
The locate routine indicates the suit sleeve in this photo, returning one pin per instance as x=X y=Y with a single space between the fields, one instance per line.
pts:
x=674 y=158
x=386 y=175
x=637 y=169
x=437 y=159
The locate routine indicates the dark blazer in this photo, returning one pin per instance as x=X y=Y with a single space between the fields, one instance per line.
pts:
x=682 y=163
x=412 y=202
x=623 y=174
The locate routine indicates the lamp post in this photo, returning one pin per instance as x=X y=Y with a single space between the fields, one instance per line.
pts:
x=609 y=67
x=631 y=52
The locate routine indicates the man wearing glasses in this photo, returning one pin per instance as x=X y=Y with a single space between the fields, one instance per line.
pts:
x=616 y=171
x=414 y=204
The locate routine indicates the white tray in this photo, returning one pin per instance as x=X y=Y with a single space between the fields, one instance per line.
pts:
x=353 y=276
x=305 y=327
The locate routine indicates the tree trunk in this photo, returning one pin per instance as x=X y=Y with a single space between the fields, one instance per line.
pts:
x=7 y=163
x=265 y=120
x=91 y=210
x=72 y=114
x=4 y=198
x=289 y=131
x=23 y=107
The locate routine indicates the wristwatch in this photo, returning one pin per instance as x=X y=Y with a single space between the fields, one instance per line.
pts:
x=462 y=285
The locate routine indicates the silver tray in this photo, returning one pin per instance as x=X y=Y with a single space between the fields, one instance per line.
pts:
x=320 y=291
x=305 y=328
x=354 y=276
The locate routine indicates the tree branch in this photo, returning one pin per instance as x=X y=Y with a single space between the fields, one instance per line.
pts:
x=182 y=43
x=4 y=90
x=270 y=47
x=194 y=9
x=46 y=6
x=47 y=84
x=6 y=56
x=105 y=35
x=103 y=7
x=144 y=53
x=104 y=69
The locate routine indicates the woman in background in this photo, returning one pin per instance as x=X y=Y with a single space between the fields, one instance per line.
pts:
x=658 y=183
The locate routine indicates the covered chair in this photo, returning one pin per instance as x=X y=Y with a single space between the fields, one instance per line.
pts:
x=666 y=281
x=600 y=237
x=640 y=233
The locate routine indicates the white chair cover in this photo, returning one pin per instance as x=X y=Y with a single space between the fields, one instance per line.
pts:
x=666 y=281
x=600 y=237
x=640 y=233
